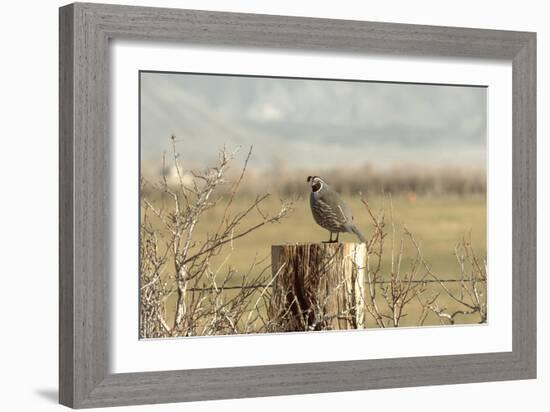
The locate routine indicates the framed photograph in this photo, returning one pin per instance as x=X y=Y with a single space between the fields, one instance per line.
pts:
x=257 y=205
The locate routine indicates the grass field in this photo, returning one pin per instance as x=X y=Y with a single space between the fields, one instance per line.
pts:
x=438 y=224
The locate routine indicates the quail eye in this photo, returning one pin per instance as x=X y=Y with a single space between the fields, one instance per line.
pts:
x=316 y=186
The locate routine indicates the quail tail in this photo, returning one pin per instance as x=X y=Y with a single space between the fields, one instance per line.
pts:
x=353 y=229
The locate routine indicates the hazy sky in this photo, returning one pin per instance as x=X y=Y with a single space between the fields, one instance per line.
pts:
x=313 y=123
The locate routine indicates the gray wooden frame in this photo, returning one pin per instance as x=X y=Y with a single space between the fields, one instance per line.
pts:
x=85 y=31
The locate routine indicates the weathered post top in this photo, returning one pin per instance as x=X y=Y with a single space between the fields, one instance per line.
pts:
x=317 y=286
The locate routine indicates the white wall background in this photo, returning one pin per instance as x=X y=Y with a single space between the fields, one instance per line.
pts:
x=28 y=228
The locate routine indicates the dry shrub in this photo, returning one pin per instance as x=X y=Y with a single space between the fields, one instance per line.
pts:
x=187 y=258
x=414 y=282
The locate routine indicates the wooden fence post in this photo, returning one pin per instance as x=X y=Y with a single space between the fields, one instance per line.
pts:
x=318 y=286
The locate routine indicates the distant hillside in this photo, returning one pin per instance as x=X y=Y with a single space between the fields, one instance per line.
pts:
x=310 y=124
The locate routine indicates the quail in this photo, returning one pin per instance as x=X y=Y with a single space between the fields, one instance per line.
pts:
x=329 y=210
